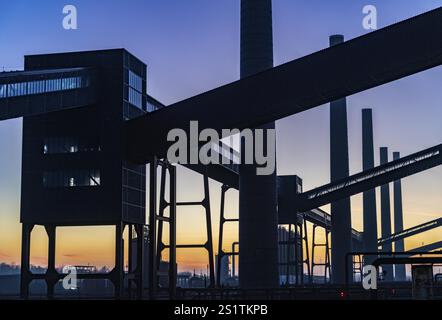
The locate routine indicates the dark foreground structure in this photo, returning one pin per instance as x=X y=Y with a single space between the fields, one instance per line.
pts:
x=90 y=128
x=74 y=171
x=258 y=219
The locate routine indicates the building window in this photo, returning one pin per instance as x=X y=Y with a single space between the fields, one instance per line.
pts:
x=57 y=145
x=42 y=86
x=135 y=90
x=71 y=179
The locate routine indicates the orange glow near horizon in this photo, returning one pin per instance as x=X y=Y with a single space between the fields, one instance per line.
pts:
x=95 y=245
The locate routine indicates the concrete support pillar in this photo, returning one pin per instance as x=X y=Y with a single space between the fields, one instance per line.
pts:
x=25 y=272
x=51 y=273
x=370 y=236
x=118 y=272
x=399 y=269
x=258 y=221
x=386 y=217
x=339 y=168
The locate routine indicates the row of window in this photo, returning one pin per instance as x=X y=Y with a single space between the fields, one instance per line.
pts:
x=40 y=86
x=135 y=98
x=71 y=179
x=135 y=81
x=151 y=107
x=57 y=145
x=135 y=90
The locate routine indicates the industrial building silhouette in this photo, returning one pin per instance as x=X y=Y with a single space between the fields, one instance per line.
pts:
x=90 y=128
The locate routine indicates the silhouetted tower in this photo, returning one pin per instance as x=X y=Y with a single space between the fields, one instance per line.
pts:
x=339 y=168
x=369 y=197
x=258 y=220
x=399 y=269
x=386 y=217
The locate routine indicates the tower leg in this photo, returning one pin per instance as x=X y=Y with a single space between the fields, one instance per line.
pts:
x=172 y=232
x=209 y=231
x=119 y=261
x=224 y=189
x=152 y=228
x=51 y=273
x=25 y=275
x=140 y=260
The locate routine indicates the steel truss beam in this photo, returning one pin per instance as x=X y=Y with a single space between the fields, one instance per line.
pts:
x=370 y=179
x=411 y=231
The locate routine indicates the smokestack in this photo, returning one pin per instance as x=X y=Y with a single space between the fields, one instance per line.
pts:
x=399 y=269
x=258 y=220
x=370 y=235
x=386 y=218
x=339 y=169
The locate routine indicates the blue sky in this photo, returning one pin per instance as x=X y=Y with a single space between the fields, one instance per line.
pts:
x=192 y=46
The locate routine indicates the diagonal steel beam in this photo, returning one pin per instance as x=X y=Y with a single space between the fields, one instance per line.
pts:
x=386 y=55
x=412 y=231
x=372 y=178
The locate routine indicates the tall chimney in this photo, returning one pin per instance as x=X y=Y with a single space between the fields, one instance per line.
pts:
x=339 y=169
x=258 y=220
x=370 y=235
x=386 y=218
x=399 y=269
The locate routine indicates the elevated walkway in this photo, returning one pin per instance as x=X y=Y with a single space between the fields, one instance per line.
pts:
x=28 y=93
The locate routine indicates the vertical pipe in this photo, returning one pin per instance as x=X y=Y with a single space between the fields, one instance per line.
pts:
x=130 y=258
x=172 y=231
x=370 y=236
x=152 y=227
x=258 y=220
x=224 y=189
x=339 y=169
x=386 y=217
x=209 y=230
x=400 y=274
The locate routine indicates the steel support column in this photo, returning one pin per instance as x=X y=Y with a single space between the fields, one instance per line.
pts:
x=399 y=269
x=118 y=271
x=258 y=220
x=370 y=235
x=25 y=274
x=51 y=272
x=339 y=169
x=222 y=221
x=152 y=228
x=386 y=217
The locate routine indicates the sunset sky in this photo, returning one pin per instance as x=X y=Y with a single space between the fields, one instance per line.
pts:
x=193 y=46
